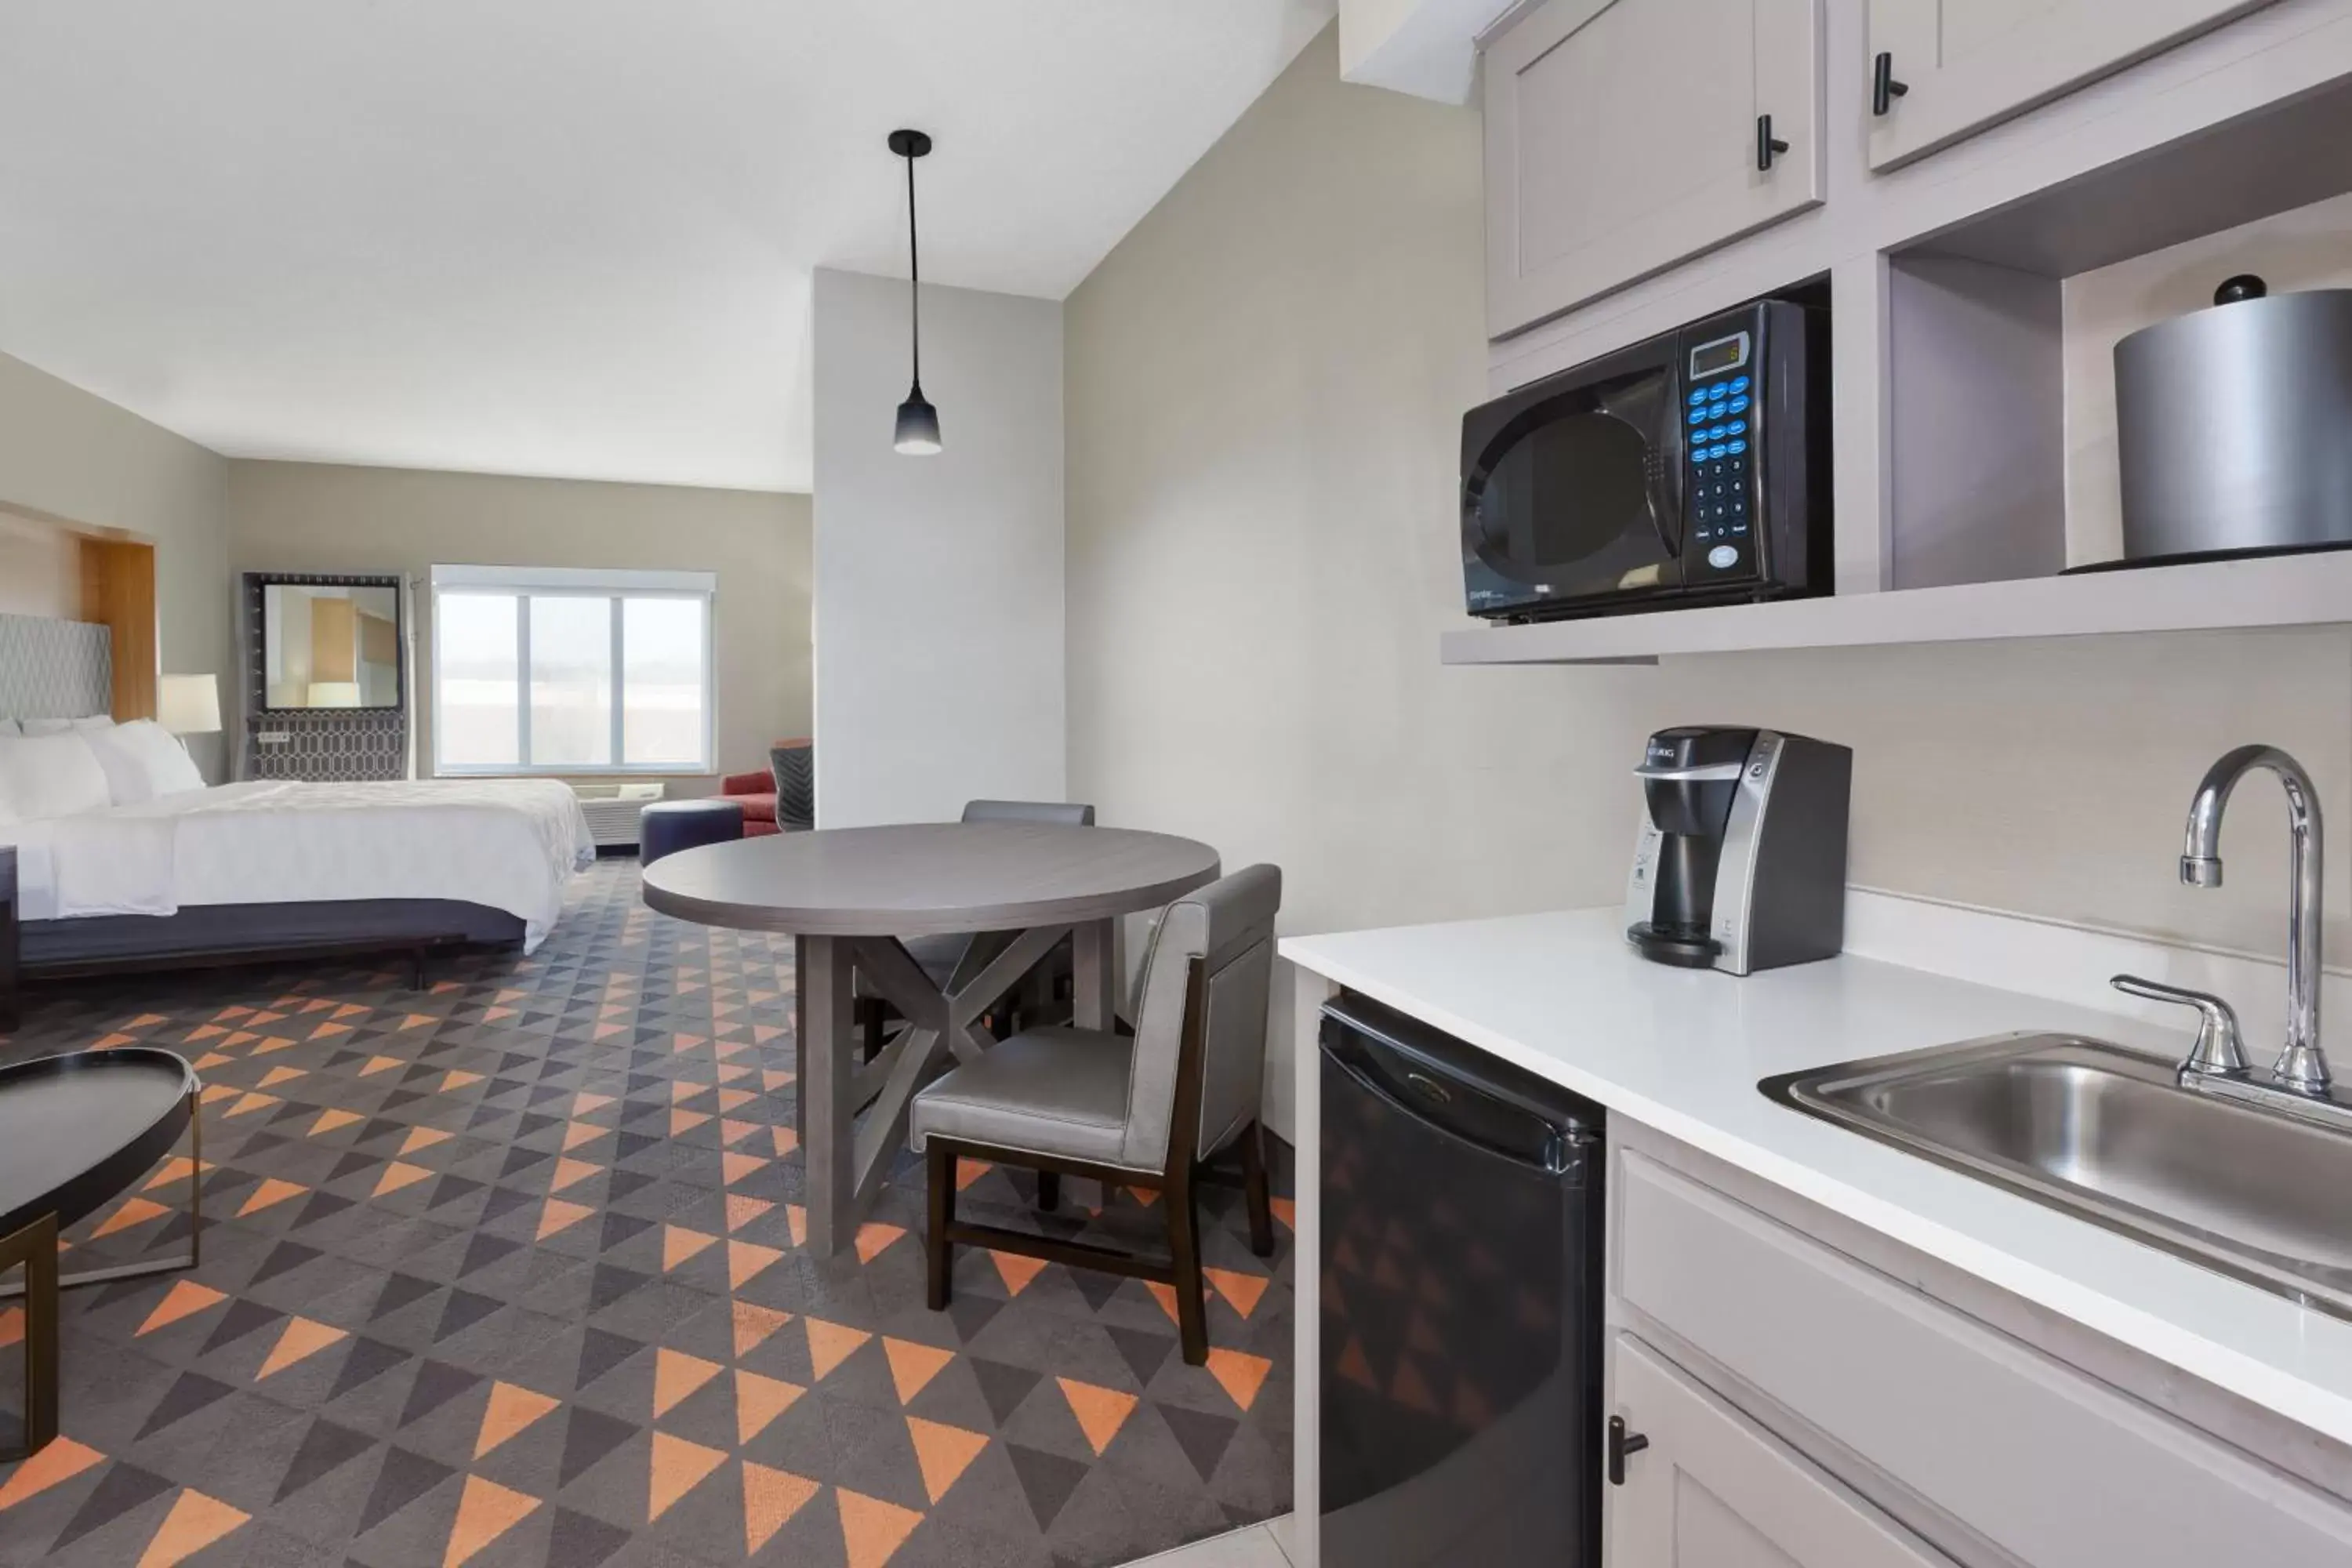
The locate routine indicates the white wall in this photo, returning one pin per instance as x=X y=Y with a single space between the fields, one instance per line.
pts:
x=68 y=457
x=323 y=517
x=1265 y=382
x=938 y=579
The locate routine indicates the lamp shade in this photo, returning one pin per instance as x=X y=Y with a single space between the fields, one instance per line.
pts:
x=189 y=704
x=918 y=425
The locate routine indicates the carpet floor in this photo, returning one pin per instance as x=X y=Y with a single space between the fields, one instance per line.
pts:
x=507 y=1272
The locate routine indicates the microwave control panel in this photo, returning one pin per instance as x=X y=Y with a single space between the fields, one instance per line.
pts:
x=1720 y=424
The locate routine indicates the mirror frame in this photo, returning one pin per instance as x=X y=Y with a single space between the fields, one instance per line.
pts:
x=262 y=581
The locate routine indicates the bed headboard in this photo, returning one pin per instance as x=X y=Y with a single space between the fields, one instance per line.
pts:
x=55 y=669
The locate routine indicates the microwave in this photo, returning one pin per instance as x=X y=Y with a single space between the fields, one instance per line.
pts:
x=1691 y=468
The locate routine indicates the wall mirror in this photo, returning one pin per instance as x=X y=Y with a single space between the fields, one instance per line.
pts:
x=330 y=646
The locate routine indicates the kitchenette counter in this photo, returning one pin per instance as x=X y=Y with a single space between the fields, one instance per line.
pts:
x=1681 y=1051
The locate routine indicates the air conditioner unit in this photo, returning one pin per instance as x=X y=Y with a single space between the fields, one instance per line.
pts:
x=611 y=809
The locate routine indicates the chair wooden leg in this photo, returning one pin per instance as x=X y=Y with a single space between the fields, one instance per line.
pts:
x=1255 y=1191
x=35 y=1247
x=1184 y=1253
x=873 y=1021
x=938 y=1256
x=1049 y=1190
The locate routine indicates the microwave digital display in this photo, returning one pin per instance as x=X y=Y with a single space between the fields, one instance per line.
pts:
x=1723 y=354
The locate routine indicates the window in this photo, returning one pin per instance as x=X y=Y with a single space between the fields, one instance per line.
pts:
x=558 y=671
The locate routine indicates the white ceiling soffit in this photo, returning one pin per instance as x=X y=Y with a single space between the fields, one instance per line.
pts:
x=568 y=237
x=1425 y=47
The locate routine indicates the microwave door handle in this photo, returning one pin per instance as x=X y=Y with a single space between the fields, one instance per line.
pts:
x=1668 y=540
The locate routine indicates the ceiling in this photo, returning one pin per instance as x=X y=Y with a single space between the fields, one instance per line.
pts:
x=566 y=237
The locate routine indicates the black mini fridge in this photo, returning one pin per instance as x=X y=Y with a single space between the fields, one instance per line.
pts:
x=1460 y=1301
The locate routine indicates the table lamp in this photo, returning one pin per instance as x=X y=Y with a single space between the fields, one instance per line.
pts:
x=189 y=705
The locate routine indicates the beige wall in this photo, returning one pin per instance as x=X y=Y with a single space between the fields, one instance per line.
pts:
x=40 y=568
x=68 y=457
x=307 y=516
x=1264 y=383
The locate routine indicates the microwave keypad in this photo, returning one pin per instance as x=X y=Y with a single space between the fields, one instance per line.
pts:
x=1719 y=427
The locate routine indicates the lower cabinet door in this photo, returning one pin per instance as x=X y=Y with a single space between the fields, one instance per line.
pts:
x=1709 y=1489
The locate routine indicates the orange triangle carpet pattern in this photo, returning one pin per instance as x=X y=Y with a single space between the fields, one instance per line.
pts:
x=509 y=1272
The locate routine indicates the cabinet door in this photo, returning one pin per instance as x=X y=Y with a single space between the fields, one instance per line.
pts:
x=1621 y=138
x=1712 y=1490
x=1964 y=64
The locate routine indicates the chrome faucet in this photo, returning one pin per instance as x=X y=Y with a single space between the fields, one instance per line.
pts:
x=2298 y=1082
x=2301 y=1065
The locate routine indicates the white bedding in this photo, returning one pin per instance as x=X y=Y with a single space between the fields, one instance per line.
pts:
x=506 y=843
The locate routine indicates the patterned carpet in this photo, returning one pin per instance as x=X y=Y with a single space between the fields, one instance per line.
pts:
x=506 y=1273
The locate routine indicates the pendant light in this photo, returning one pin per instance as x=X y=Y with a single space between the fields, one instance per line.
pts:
x=919 y=422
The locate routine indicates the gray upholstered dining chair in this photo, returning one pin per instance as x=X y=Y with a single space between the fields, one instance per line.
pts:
x=938 y=956
x=1148 y=1108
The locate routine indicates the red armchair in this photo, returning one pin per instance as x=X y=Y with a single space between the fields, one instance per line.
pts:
x=756 y=793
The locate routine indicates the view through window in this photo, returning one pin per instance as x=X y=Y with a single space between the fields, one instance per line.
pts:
x=570 y=672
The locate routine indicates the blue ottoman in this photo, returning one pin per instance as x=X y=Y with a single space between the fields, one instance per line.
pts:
x=666 y=826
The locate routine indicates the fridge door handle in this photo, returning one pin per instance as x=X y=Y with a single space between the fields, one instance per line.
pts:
x=1337 y=1055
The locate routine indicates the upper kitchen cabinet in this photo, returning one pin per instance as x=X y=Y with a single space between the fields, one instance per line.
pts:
x=1942 y=69
x=1623 y=136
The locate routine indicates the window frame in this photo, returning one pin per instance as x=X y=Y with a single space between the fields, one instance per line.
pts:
x=616 y=588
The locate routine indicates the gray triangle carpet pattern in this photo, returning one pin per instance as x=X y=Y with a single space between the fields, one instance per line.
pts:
x=509 y=1272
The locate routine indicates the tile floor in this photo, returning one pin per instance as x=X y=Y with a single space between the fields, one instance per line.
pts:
x=507 y=1274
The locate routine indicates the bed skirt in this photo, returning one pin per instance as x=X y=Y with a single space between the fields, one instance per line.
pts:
x=206 y=935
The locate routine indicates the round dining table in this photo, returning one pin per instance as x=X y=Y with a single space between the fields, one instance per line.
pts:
x=847 y=895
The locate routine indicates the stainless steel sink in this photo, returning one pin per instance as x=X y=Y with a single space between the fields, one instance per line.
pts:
x=2109 y=1136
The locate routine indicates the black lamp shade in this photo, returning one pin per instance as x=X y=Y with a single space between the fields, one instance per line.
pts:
x=918 y=425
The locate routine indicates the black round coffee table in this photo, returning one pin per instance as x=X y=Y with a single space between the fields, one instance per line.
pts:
x=75 y=1131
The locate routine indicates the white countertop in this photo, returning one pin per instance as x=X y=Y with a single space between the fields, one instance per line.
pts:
x=1681 y=1051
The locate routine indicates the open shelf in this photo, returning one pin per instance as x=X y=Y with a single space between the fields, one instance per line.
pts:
x=2271 y=590
x=2001 y=450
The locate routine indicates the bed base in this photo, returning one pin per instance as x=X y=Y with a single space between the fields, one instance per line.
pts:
x=220 y=935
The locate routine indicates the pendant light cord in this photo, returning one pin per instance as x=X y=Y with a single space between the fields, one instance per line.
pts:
x=915 y=276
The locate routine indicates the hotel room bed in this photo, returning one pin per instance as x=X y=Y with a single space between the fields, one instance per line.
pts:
x=264 y=869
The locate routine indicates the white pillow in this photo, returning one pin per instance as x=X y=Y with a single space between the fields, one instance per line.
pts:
x=141 y=762
x=9 y=727
x=50 y=775
x=45 y=726
x=95 y=722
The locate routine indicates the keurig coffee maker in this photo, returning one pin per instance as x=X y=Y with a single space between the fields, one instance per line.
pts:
x=1740 y=865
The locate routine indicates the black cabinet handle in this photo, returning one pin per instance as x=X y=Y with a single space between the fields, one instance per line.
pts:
x=1884 y=88
x=1765 y=147
x=1622 y=1442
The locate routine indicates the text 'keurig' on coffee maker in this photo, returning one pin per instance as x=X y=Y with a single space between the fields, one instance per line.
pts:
x=1741 y=861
